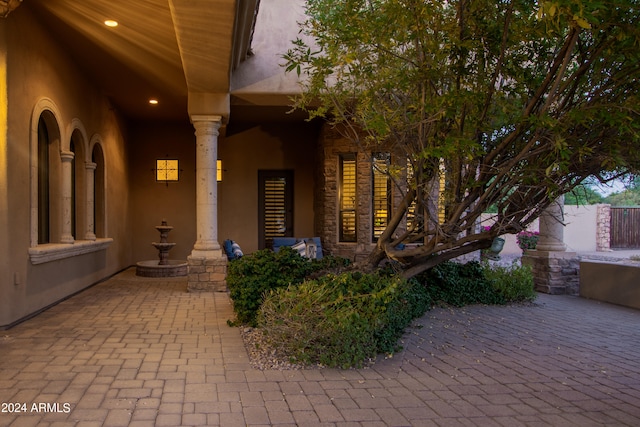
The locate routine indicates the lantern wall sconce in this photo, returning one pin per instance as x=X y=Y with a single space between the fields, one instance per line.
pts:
x=167 y=170
x=219 y=170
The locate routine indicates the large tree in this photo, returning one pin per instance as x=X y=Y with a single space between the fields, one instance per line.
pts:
x=506 y=103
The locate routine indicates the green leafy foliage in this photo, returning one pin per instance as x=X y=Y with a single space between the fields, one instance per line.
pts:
x=513 y=283
x=508 y=104
x=341 y=320
x=458 y=284
x=249 y=277
x=475 y=283
x=583 y=195
x=630 y=196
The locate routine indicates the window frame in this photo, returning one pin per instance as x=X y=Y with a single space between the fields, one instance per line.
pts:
x=59 y=170
x=378 y=203
x=350 y=210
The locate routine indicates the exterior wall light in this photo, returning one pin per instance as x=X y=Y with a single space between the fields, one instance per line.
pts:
x=167 y=170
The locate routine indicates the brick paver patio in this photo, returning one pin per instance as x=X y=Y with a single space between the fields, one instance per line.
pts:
x=143 y=352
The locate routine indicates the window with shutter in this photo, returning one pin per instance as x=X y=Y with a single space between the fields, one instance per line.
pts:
x=276 y=206
x=348 y=198
x=381 y=191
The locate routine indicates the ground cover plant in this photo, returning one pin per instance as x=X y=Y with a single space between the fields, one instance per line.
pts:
x=513 y=283
x=341 y=320
x=249 y=277
x=346 y=318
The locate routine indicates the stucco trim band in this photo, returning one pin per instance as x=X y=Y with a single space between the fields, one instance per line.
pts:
x=54 y=251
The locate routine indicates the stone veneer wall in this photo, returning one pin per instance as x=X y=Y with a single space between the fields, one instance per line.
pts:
x=556 y=273
x=603 y=228
x=207 y=274
x=332 y=145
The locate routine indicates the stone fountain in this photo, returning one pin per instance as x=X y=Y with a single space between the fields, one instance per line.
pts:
x=164 y=267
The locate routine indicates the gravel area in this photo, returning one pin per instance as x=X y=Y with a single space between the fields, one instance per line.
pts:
x=262 y=355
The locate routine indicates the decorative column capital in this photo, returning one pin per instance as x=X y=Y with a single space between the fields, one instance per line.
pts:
x=207 y=124
x=206 y=118
x=67 y=156
x=91 y=166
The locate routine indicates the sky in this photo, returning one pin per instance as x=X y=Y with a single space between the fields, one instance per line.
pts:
x=607 y=189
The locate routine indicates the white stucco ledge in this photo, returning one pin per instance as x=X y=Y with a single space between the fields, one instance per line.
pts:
x=54 y=251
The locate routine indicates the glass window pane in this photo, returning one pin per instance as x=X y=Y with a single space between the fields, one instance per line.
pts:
x=348 y=198
x=381 y=208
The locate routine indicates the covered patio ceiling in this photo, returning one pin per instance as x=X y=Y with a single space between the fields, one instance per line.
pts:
x=173 y=51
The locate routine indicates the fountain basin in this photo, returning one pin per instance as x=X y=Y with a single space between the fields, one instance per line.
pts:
x=151 y=268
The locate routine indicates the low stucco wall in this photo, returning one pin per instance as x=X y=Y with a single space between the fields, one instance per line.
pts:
x=613 y=283
x=580 y=231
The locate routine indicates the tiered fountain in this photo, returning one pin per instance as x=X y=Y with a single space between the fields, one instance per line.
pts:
x=165 y=267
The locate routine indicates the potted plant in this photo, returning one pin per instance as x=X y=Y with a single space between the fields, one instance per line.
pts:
x=495 y=249
x=527 y=239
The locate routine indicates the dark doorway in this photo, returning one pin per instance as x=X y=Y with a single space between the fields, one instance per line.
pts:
x=275 y=204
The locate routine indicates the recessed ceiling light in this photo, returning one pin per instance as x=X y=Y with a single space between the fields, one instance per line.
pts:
x=111 y=23
x=153 y=101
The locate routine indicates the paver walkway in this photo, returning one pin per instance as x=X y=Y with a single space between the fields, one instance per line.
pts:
x=143 y=352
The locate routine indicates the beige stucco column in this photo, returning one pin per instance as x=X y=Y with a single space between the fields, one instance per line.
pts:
x=207 y=244
x=207 y=263
x=91 y=190
x=66 y=158
x=552 y=228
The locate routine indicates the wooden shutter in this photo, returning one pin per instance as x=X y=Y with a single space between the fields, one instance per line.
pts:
x=276 y=206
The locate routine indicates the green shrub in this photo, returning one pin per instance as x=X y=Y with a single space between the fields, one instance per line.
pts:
x=514 y=283
x=412 y=301
x=249 y=277
x=458 y=284
x=341 y=320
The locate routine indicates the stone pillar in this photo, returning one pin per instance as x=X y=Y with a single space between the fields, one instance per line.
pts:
x=603 y=228
x=207 y=263
x=555 y=271
x=66 y=158
x=91 y=191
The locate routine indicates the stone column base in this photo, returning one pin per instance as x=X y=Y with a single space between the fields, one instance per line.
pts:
x=556 y=273
x=207 y=274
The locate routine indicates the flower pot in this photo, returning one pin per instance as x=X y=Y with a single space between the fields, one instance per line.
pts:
x=497 y=245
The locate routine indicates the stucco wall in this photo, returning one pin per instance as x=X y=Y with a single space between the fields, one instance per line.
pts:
x=261 y=78
x=38 y=69
x=274 y=146
x=579 y=232
x=614 y=283
x=153 y=201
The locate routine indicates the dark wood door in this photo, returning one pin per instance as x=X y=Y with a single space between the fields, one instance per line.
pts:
x=625 y=228
x=275 y=204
